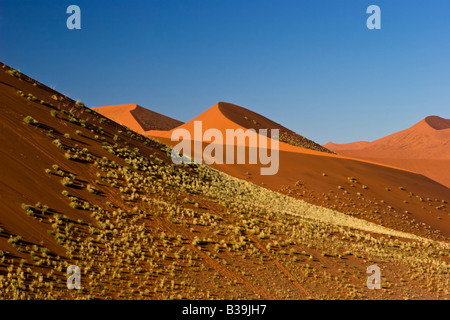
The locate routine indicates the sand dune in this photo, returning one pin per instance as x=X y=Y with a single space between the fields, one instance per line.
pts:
x=137 y=118
x=224 y=116
x=423 y=148
x=129 y=215
x=324 y=173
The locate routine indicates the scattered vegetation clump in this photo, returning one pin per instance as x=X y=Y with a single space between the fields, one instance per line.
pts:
x=32 y=98
x=299 y=141
x=29 y=209
x=90 y=188
x=58 y=143
x=14 y=73
x=15 y=240
x=30 y=120
x=67 y=182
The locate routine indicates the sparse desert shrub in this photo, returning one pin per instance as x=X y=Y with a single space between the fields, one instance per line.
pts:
x=30 y=120
x=14 y=73
x=73 y=205
x=28 y=209
x=58 y=143
x=67 y=182
x=67 y=136
x=73 y=119
x=80 y=104
x=90 y=188
x=54 y=113
x=78 y=132
x=14 y=240
x=32 y=97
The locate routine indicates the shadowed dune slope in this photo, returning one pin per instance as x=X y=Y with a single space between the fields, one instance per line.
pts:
x=137 y=118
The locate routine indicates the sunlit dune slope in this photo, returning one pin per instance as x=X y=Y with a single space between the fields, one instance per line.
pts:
x=317 y=176
x=80 y=189
x=423 y=148
x=224 y=116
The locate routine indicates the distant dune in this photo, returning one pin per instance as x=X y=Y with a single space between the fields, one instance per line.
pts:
x=303 y=169
x=423 y=148
x=138 y=118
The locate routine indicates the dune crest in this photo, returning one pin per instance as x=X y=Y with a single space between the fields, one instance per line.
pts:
x=137 y=118
x=223 y=116
x=438 y=123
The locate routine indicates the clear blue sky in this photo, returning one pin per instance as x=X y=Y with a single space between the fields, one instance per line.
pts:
x=312 y=66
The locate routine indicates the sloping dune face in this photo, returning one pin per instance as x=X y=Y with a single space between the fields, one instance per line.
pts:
x=423 y=148
x=249 y=119
x=378 y=193
x=137 y=118
x=229 y=116
x=79 y=189
x=224 y=116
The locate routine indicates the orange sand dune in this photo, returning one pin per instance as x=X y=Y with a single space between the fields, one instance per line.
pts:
x=223 y=116
x=347 y=146
x=84 y=228
x=423 y=148
x=325 y=173
x=137 y=118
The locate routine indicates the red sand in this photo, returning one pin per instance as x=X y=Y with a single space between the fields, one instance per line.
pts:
x=308 y=166
x=423 y=148
x=27 y=150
